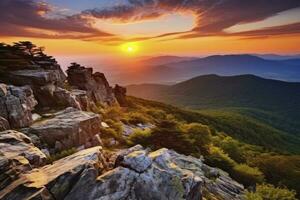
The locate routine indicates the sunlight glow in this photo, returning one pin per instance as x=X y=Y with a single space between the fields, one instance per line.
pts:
x=130 y=47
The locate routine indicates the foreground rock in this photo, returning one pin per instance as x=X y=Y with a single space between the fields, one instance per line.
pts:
x=67 y=129
x=16 y=104
x=56 y=181
x=17 y=155
x=138 y=174
x=165 y=174
x=19 y=147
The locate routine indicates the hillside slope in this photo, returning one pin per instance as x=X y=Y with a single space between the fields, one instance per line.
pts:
x=213 y=91
x=263 y=110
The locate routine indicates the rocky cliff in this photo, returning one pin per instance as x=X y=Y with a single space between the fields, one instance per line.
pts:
x=69 y=119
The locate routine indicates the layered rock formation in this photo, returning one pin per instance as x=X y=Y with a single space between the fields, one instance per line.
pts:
x=44 y=77
x=138 y=174
x=95 y=84
x=67 y=129
x=17 y=155
x=19 y=147
x=57 y=180
x=16 y=104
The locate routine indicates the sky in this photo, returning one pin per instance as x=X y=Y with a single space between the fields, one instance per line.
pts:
x=126 y=28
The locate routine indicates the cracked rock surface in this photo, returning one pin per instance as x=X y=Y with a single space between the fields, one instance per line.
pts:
x=16 y=104
x=138 y=175
x=68 y=128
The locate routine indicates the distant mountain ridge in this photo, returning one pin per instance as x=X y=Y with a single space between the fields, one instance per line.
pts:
x=176 y=69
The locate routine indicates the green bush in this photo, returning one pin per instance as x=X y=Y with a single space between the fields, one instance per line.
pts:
x=115 y=131
x=112 y=113
x=156 y=114
x=62 y=154
x=233 y=148
x=269 y=192
x=136 y=118
x=139 y=137
x=247 y=175
x=217 y=158
x=199 y=135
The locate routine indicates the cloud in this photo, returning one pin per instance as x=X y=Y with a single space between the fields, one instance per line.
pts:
x=212 y=16
x=29 y=18
x=293 y=28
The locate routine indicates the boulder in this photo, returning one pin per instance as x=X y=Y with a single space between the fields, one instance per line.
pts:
x=95 y=84
x=17 y=155
x=16 y=104
x=165 y=174
x=67 y=129
x=19 y=147
x=82 y=98
x=57 y=180
x=138 y=174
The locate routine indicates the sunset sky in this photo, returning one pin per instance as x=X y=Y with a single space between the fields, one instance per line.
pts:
x=153 y=27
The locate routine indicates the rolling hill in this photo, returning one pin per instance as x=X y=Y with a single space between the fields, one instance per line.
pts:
x=275 y=103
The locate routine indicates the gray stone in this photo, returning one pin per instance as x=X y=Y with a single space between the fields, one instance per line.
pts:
x=57 y=180
x=95 y=84
x=17 y=146
x=138 y=174
x=70 y=127
x=4 y=125
x=16 y=104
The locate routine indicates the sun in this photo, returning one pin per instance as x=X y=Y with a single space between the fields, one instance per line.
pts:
x=130 y=47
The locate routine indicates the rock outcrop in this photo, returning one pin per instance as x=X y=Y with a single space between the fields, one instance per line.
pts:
x=67 y=129
x=138 y=174
x=17 y=155
x=16 y=104
x=120 y=94
x=56 y=181
x=95 y=84
x=44 y=77
x=25 y=64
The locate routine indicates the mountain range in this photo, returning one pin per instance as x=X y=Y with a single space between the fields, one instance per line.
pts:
x=166 y=69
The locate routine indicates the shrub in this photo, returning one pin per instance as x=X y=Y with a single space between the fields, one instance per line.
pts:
x=200 y=136
x=113 y=113
x=218 y=158
x=247 y=175
x=232 y=147
x=135 y=118
x=115 y=131
x=156 y=114
x=60 y=155
x=269 y=192
x=139 y=137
